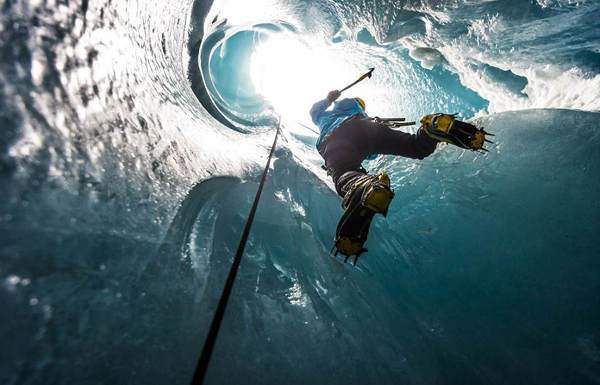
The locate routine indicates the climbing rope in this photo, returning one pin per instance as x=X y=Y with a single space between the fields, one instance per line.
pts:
x=308 y=128
x=211 y=338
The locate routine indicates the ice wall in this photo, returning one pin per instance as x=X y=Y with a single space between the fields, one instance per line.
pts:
x=124 y=196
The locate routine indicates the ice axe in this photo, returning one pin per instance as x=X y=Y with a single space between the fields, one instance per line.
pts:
x=360 y=79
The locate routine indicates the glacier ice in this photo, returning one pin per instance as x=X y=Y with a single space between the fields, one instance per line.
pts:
x=129 y=160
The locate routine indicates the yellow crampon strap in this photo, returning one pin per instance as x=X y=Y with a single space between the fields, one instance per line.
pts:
x=357 y=184
x=348 y=247
x=441 y=122
x=477 y=143
x=379 y=195
x=368 y=196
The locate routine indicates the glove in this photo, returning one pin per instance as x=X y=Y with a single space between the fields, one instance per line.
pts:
x=332 y=96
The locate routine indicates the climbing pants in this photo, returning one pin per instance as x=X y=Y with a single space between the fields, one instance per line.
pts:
x=348 y=145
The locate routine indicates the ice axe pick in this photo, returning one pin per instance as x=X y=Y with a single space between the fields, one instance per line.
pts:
x=360 y=79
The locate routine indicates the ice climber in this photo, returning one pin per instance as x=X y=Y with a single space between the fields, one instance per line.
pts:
x=348 y=136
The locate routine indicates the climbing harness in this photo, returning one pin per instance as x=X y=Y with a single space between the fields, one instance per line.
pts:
x=202 y=365
x=392 y=122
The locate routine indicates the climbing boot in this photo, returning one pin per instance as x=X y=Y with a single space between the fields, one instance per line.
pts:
x=368 y=196
x=447 y=128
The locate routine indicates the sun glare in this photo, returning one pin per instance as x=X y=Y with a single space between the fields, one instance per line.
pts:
x=292 y=76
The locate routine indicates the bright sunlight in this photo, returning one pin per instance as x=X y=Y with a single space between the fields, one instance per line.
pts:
x=292 y=76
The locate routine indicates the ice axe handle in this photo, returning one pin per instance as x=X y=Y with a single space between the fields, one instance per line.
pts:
x=360 y=79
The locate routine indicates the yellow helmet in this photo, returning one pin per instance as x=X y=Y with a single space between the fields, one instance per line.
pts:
x=361 y=102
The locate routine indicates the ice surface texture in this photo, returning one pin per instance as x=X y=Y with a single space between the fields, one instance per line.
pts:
x=131 y=145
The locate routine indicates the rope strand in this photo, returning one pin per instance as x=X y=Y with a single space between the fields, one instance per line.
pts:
x=211 y=338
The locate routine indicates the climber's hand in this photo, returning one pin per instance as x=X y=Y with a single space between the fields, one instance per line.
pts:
x=332 y=96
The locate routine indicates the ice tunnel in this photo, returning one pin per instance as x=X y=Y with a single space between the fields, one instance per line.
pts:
x=133 y=139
